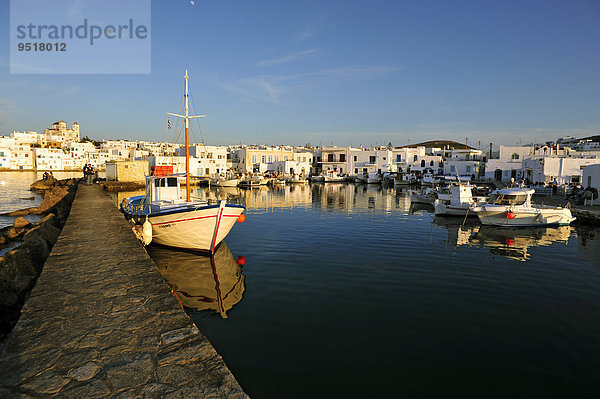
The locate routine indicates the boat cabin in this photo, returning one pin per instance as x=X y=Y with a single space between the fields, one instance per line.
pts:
x=512 y=197
x=165 y=189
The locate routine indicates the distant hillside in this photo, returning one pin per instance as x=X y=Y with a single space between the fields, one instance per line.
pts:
x=593 y=138
x=453 y=145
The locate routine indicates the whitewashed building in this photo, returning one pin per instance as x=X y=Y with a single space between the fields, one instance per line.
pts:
x=212 y=158
x=5 y=155
x=591 y=178
x=22 y=157
x=258 y=158
x=51 y=159
x=467 y=162
x=544 y=169
x=509 y=163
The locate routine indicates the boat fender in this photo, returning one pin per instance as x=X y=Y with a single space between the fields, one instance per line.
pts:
x=510 y=215
x=241 y=218
x=241 y=260
x=147 y=232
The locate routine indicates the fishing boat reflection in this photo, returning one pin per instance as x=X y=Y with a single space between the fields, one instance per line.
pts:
x=514 y=243
x=459 y=229
x=202 y=283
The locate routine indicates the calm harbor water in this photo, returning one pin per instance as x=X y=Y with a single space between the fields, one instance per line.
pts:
x=347 y=291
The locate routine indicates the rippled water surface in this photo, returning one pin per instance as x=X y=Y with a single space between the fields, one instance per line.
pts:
x=345 y=291
x=15 y=194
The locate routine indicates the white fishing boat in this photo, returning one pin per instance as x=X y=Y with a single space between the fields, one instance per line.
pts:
x=427 y=196
x=317 y=179
x=373 y=178
x=361 y=178
x=333 y=176
x=512 y=207
x=459 y=201
x=405 y=179
x=429 y=179
x=228 y=180
x=162 y=217
x=250 y=182
x=278 y=181
x=297 y=178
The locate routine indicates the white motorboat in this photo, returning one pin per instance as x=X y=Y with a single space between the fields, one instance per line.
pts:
x=512 y=207
x=162 y=217
x=317 y=179
x=458 y=202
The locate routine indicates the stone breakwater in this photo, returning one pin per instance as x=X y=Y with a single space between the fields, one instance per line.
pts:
x=101 y=322
x=21 y=266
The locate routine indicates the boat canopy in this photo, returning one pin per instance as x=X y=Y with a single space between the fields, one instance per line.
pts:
x=515 y=191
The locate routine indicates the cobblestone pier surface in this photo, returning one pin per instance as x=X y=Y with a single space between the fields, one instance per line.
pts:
x=102 y=323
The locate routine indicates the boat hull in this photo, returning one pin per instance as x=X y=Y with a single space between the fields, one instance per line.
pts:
x=201 y=229
x=441 y=209
x=528 y=217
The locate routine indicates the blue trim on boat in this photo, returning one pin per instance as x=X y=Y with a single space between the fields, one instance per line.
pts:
x=184 y=209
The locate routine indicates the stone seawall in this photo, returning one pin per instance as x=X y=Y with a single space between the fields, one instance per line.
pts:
x=20 y=267
x=101 y=322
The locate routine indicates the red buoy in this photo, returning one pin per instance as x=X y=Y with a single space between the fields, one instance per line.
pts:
x=510 y=241
x=510 y=215
x=241 y=260
x=241 y=218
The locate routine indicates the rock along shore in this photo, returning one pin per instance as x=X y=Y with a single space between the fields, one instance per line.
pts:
x=101 y=321
x=21 y=266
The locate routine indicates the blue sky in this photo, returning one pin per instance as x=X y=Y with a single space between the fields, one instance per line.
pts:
x=339 y=72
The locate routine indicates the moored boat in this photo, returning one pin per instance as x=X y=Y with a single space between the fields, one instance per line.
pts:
x=162 y=217
x=458 y=202
x=513 y=207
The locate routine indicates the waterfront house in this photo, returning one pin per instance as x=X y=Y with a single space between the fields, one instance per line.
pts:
x=5 y=155
x=336 y=159
x=565 y=169
x=127 y=171
x=51 y=159
x=465 y=162
x=209 y=159
x=22 y=157
x=591 y=178
x=257 y=158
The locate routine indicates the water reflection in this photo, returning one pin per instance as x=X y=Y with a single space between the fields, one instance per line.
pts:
x=341 y=197
x=515 y=243
x=202 y=283
x=459 y=230
x=511 y=243
x=589 y=243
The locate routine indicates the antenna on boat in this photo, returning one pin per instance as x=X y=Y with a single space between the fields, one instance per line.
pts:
x=187 y=118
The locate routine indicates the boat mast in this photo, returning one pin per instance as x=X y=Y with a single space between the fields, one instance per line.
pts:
x=187 y=141
x=187 y=118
